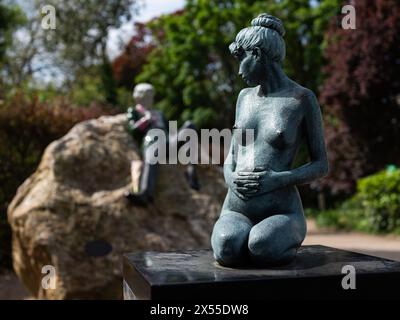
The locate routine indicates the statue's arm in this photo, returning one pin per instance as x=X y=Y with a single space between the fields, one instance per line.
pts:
x=230 y=161
x=141 y=122
x=229 y=171
x=318 y=165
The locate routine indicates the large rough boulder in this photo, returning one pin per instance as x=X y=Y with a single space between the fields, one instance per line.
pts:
x=71 y=213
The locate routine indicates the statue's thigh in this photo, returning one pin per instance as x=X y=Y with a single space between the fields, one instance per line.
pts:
x=277 y=238
x=229 y=238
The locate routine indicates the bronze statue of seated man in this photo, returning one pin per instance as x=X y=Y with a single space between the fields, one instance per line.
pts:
x=141 y=119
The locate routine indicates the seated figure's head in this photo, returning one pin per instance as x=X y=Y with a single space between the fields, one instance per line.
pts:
x=144 y=94
x=259 y=45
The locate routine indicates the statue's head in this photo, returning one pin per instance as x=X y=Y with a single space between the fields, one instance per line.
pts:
x=258 y=46
x=144 y=94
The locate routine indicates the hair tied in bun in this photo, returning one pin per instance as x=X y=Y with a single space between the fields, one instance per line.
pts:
x=267 y=21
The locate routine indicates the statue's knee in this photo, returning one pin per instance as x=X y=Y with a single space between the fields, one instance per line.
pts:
x=260 y=250
x=229 y=248
x=226 y=251
x=266 y=250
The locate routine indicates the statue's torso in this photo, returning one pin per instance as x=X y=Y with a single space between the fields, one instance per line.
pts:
x=277 y=124
x=277 y=121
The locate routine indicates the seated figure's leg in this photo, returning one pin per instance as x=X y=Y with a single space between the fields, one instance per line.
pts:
x=149 y=175
x=229 y=239
x=275 y=240
x=148 y=179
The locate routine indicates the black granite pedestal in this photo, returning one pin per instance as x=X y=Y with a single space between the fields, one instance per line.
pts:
x=316 y=273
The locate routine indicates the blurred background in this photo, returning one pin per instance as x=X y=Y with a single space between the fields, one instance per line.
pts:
x=52 y=79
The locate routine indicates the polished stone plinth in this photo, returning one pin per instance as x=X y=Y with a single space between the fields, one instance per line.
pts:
x=316 y=273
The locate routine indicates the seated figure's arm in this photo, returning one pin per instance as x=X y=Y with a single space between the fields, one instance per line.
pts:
x=138 y=121
x=142 y=123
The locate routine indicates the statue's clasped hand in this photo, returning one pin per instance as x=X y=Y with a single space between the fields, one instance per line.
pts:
x=247 y=184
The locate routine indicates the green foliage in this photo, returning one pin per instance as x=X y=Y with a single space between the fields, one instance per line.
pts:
x=374 y=208
x=78 y=43
x=86 y=90
x=348 y=216
x=94 y=85
x=124 y=98
x=10 y=18
x=27 y=126
x=108 y=82
x=195 y=75
x=27 y=92
x=379 y=196
x=81 y=36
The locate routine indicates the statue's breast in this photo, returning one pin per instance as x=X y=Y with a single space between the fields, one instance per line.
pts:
x=279 y=123
x=276 y=136
x=275 y=121
x=245 y=128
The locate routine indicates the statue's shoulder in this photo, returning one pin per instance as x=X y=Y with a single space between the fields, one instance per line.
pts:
x=303 y=94
x=298 y=92
x=244 y=92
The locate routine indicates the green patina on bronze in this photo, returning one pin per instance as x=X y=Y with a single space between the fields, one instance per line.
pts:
x=262 y=219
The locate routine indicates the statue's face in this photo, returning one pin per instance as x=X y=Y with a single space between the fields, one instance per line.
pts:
x=144 y=97
x=251 y=67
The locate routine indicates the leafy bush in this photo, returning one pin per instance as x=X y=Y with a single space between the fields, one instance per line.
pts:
x=345 y=217
x=379 y=196
x=27 y=126
x=374 y=208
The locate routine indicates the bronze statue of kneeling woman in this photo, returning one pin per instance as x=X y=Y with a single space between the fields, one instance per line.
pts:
x=262 y=219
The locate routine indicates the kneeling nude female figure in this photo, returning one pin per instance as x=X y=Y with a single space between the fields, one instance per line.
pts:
x=262 y=218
